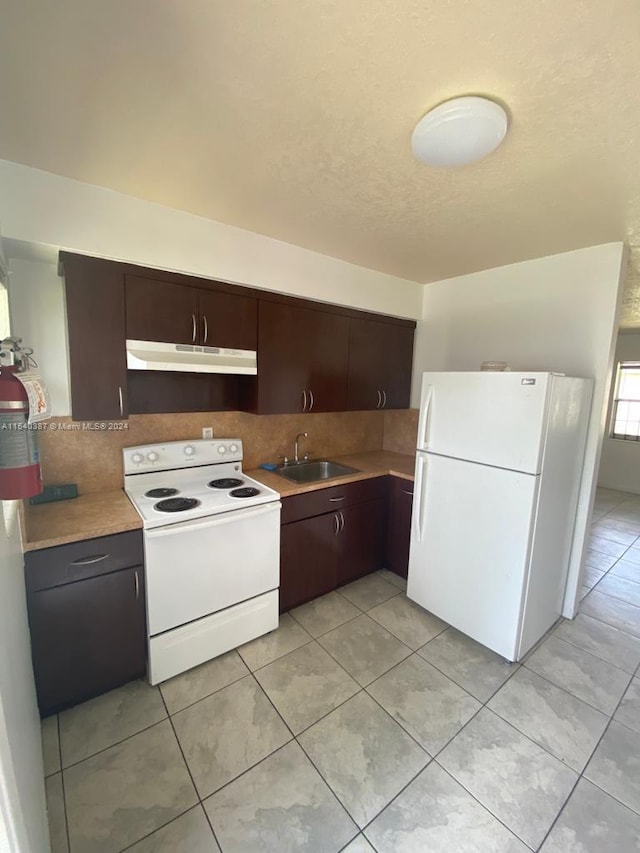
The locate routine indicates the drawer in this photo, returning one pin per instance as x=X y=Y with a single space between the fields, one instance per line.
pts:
x=332 y=498
x=401 y=488
x=76 y=561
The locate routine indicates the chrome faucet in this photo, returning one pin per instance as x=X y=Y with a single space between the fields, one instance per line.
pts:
x=295 y=446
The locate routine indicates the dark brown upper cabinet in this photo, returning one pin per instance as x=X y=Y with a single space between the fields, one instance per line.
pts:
x=380 y=362
x=312 y=357
x=94 y=294
x=302 y=359
x=181 y=314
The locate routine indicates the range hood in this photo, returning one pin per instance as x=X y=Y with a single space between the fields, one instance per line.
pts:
x=190 y=358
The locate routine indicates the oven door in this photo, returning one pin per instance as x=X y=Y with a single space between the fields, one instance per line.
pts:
x=198 y=567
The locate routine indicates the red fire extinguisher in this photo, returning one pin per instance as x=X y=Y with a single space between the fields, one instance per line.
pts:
x=20 y=475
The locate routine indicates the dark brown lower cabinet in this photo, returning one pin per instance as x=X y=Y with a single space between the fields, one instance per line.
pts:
x=399 y=525
x=323 y=551
x=88 y=630
x=308 y=559
x=362 y=540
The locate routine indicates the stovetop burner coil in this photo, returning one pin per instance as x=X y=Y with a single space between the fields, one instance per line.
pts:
x=160 y=493
x=176 y=504
x=225 y=483
x=246 y=492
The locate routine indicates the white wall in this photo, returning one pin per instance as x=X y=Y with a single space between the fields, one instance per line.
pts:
x=620 y=461
x=22 y=797
x=36 y=297
x=41 y=208
x=554 y=313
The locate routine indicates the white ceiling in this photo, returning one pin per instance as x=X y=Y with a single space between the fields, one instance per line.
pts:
x=293 y=118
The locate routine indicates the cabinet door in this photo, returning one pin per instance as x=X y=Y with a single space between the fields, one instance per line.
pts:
x=399 y=526
x=87 y=637
x=284 y=369
x=228 y=320
x=362 y=540
x=380 y=362
x=302 y=359
x=329 y=360
x=161 y=311
x=308 y=559
x=94 y=293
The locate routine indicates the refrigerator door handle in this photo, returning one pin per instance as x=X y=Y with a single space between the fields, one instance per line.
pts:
x=419 y=497
x=424 y=423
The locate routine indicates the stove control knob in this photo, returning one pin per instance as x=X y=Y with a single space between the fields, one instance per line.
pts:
x=189 y=450
x=137 y=458
x=222 y=449
x=233 y=448
x=152 y=456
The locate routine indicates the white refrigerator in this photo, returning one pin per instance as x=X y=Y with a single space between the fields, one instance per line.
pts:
x=498 y=468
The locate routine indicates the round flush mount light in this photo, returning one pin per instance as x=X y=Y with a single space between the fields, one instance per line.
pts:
x=459 y=131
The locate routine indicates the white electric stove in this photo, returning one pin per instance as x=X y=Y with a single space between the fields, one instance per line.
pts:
x=212 y=550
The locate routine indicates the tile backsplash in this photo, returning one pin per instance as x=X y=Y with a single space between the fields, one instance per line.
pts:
x=92 y=458
x=401 y=430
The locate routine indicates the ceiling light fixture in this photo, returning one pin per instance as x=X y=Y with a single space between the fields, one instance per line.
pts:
x=459 y=131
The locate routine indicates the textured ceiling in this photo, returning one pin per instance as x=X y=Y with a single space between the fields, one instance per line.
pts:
x=293 y=119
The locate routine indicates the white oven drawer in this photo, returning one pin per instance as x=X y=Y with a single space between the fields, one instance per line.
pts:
x=198 y=567
x=185 y=647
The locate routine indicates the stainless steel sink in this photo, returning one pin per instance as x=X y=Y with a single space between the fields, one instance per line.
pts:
x=311 y=472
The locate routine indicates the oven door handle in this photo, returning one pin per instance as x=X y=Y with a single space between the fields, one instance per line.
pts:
x=217 y=520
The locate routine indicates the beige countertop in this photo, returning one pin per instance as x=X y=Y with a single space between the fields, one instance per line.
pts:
x=103 y=513
x=369 y=465
x=84 y=517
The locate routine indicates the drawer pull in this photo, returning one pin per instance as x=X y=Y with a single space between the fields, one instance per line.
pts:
x=407 y=492
x=137 y=584
x=333 y=500
x=85 y=561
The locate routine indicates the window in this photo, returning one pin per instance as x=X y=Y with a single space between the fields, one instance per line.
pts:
x=626 y=403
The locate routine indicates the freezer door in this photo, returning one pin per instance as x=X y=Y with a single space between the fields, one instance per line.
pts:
x=492 y=418
x=470 y=543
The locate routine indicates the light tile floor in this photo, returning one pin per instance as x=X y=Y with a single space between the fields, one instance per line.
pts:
x=366 y=724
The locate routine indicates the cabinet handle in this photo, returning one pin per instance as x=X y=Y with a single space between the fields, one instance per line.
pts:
x=304 y=401
x=379 y=403
x=336 y=525
x=193 y=328
x=137 y=584
x=384 y=399
x=341 y=519
x=407 y=492
x=120 y=400
x=311 y=396
x=85 y=561
x=339 y=498
x=205 y=329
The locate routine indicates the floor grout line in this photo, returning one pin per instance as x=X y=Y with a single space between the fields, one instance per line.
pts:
x=574 y=695
x=365 y=689
x=582 y=776
x=186 y=763
x=116 y=743
x=64 y=794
